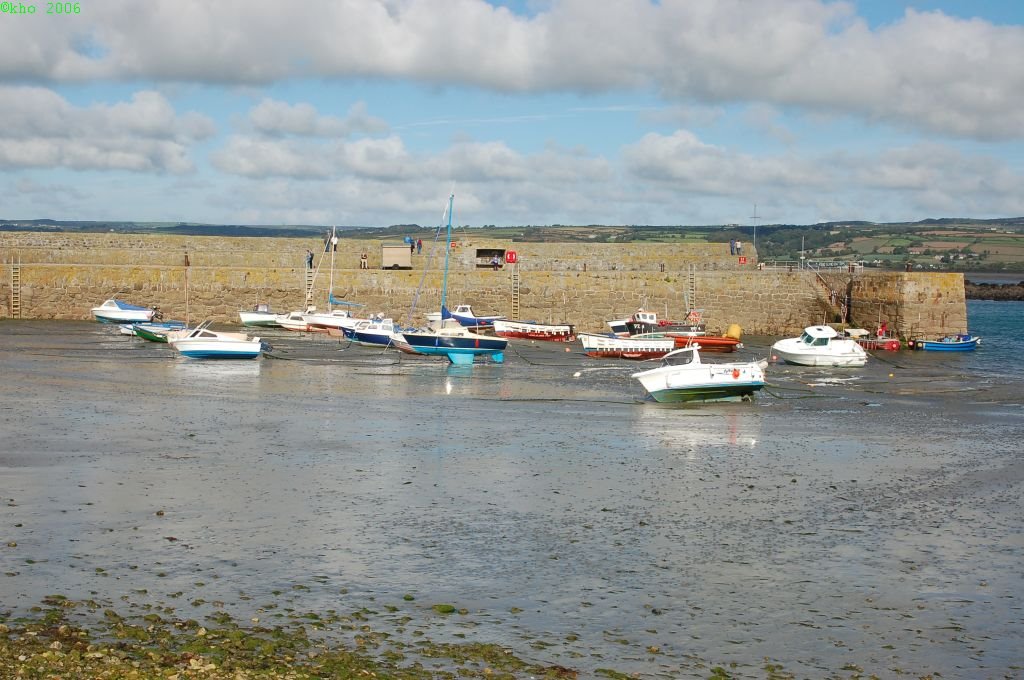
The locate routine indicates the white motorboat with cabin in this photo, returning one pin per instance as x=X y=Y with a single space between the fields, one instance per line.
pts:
x=820 y=346
x=202 y=343
x=118 y=311
x=260 y=315
x=683 y=377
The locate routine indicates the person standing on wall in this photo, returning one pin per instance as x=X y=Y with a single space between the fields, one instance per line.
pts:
x=419 y=246
x=739 y=248
x=732 y=246
x=309 y=258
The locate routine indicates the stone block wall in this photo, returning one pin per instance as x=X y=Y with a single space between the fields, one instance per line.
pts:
x=64 y=275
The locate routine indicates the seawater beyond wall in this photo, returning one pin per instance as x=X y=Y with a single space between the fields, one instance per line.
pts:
x=62 y=275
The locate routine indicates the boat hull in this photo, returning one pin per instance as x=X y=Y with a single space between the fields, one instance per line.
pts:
x=459 y=349
x=534 y=331
x=612 y=347
x=967 y=345
x=706 y=393
x=155 y=333
x=707 y=343
x=259 y=319
x=375 y=339
x=887 y=344
x=218 y=349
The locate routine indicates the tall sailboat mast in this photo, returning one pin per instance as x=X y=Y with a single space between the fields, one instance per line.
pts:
x=447 y=250
x=331 y=243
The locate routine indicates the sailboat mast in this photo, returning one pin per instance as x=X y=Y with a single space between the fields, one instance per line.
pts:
x=447 y=250
x=330 y=290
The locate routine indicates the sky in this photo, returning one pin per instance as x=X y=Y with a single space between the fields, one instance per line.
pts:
x=533 y=112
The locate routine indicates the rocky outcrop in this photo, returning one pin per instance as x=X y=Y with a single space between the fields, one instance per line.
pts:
x=994 y=291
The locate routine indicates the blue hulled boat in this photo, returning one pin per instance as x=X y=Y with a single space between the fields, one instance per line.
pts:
x=964 y=342
x=451 y=340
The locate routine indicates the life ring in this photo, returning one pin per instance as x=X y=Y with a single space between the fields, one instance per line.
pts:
x=735 y=374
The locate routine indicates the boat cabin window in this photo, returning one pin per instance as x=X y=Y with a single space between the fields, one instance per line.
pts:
x=646 y=317
x=809 y=339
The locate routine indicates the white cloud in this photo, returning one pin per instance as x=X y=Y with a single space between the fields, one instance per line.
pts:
x=926 y=71
x=694 y=167
x=259 y=157
x=274 y=117
x=41 y=129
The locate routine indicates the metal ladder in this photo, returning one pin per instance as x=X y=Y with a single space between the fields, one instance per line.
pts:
x=16 y=289
x=515 y=291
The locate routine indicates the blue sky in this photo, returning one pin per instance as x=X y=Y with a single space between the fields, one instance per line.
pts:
x=367 y=112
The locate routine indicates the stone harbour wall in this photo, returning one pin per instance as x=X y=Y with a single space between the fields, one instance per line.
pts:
x=63 y=275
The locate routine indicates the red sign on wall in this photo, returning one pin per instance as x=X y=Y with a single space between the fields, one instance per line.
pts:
x=743 y=259
x=511 y=257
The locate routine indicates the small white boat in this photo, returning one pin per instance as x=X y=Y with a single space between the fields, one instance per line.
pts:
x=683 y=377
x=294 y=321
x=116 y=311
x=259 y=316
x=820 y=346
x=554 y=332
x=336 y=319
x=203 y=343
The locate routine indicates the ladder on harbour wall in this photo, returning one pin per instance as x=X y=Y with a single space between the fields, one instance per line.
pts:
x=690 y=294
x=310 y=277
x=515 y=291
x=16 y=289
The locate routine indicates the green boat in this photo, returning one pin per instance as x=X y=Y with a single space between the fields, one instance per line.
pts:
x=156 y=332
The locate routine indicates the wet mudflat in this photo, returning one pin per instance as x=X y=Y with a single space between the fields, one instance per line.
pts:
x=845 y=520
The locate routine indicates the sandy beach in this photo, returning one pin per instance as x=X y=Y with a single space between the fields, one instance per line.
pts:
x=866 y=519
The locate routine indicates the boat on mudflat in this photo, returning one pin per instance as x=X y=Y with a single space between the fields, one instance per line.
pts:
x=642 y=321
x=708 y=343
x=466 y=317
x=295 y=321
x=531 y=330
x=156 y=332
x=820 y=346
x=334 y=320
x=202 y=343
x=380 y=333
x=730 y=342
x=118 y=311
x=880 y=340
x=260 y=315
x=614 y=347
x=962 y=342
x=459 y=344
x=683 y=377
